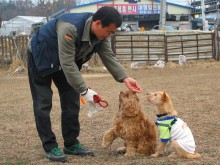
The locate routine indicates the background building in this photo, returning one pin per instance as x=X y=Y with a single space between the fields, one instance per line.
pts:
x=212 y=12
x=20 y=24
x=140 y=13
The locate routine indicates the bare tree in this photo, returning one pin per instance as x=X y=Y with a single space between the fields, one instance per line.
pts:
x=0 y=22
x=49 y=6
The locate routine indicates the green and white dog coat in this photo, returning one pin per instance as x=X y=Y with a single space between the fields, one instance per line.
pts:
x=173 y=128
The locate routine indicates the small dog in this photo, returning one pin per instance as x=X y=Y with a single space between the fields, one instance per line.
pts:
x=131 y=124
x=172 y=128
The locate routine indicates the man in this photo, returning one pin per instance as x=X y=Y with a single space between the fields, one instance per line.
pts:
x=56 y=54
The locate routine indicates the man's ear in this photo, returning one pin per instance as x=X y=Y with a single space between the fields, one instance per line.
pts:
x=97 y=23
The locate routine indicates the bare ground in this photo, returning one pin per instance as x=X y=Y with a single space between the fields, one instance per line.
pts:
x=194 y=89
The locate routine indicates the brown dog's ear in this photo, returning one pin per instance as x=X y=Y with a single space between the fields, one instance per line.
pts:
x=164 y=96
x=120 y=94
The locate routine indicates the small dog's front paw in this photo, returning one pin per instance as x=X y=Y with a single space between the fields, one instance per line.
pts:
x=129 y=154
x=155 y=155
x=173 y=155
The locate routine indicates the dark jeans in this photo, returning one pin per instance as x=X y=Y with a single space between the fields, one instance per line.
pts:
x=42 y=103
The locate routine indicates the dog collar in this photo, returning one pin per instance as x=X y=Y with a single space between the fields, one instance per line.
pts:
x=161 y=115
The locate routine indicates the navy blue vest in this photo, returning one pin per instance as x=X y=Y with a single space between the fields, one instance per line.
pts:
x=44 y=43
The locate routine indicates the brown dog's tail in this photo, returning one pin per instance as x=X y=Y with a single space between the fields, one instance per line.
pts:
x=193 y=156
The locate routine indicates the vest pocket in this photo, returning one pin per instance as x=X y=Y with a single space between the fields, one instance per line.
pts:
x=45 y=58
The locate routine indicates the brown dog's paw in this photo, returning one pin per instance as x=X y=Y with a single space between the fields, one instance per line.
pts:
x=108 y=138
x=104 y=145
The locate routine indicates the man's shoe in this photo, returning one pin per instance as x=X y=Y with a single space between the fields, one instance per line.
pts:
x=56 y=155
x=78 y=149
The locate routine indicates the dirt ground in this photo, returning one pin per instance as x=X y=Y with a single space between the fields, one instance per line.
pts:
x=194 y=90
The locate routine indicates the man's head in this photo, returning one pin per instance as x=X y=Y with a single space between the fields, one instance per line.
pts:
x=105 y=22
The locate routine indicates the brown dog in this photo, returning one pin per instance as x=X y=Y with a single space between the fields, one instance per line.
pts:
x=172 y=128
x=133 y=127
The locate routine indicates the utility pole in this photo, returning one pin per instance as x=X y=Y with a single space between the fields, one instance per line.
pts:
x=162 y=14
x=152 y=3
x=203 y=15
x=217 y=37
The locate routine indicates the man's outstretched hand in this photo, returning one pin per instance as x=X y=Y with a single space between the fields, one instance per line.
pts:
x=132 y=84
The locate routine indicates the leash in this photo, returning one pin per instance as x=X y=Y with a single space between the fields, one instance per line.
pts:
x=97 y=99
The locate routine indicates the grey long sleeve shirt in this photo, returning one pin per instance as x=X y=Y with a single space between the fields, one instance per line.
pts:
x=68 y=55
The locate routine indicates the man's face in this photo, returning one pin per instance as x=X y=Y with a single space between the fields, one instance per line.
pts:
x=103 y=32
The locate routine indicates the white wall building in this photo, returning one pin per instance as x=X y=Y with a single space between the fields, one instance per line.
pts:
x=20 y=24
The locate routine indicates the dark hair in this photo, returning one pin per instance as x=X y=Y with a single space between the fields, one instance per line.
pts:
x=108 y=15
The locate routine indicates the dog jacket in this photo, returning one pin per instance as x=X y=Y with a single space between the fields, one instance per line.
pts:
x=173 y=128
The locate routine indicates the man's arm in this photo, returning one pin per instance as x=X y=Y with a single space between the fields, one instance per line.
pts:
x=110 y=61
x=115 y=68
x=66 y=34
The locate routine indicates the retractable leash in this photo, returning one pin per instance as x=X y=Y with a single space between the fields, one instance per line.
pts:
x=92 y=108
x=97 y=99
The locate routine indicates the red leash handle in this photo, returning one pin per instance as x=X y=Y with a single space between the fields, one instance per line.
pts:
x=97 y=99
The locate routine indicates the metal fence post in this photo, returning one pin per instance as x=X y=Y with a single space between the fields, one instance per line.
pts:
x=217 y=39
x=165 y=48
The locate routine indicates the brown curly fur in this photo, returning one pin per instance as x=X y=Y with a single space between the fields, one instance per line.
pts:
x=133 y=126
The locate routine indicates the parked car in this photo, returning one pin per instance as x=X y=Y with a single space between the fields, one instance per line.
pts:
x=211 y=27
x=126 y=27
x=167 y=28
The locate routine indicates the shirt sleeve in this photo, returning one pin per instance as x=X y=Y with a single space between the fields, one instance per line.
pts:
x=66 y=34
x=110 y=61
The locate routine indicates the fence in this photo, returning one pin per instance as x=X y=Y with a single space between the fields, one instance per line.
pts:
x=152 y=46
x=12 y=46
x=217 y=45
x=136 y=46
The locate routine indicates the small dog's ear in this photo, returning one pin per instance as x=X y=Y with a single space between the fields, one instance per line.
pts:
x=164 y=96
